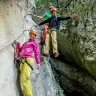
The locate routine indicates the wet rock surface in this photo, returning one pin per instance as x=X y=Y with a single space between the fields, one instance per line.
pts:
x=73 y=81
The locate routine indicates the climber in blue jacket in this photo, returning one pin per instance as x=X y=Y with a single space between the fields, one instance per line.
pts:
x=54 y=24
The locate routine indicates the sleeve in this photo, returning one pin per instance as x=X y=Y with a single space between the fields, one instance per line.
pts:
x=44 y=16
x=37 y=53
x=64 y=18
x=46 y=21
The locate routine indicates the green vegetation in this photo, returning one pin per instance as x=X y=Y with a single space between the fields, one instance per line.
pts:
x=78 y=42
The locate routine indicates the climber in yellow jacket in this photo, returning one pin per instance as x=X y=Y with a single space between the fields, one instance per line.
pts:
x=27 y=52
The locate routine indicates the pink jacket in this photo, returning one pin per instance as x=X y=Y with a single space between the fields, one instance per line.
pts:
x=29 y=49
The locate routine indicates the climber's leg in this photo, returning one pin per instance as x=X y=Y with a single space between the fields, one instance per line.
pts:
x=47 y=43
x=54 y=42
x=25 y=74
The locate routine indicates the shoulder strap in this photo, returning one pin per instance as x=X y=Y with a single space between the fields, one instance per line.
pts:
x=57 y=23
x=29 y=64
x=56 y=18
x=50 y=21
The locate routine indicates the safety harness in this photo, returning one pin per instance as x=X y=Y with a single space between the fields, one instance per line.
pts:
x=26 y=63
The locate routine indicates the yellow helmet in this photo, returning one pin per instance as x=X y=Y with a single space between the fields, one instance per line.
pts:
x=51 y=7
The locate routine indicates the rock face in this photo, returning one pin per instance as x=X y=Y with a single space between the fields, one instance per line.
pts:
x=10 y=29
x=77 y=42
x=74 y=81
x=15 y=18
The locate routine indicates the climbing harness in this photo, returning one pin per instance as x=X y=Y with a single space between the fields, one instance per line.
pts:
x=18 y=61
x=26 y=63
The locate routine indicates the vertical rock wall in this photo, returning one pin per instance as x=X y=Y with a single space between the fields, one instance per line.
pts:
x=15 y=18
x=10 y=29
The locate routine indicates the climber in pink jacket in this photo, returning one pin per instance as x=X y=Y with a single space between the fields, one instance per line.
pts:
x=29 y=49
x=27 y=52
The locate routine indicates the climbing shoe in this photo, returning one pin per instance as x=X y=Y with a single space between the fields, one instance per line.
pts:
x=56 y=54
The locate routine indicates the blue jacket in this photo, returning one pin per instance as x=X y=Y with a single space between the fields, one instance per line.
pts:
x=54 y=21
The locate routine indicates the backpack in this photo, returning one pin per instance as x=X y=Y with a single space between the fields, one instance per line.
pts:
x=44 y=33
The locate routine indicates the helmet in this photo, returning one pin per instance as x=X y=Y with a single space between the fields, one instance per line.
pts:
x=32 y=31
x=53 y=9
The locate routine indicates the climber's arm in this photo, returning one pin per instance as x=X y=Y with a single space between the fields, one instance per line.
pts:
x=68 y=17
x=46 y=21
x=64 y=18
x=17 y=45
